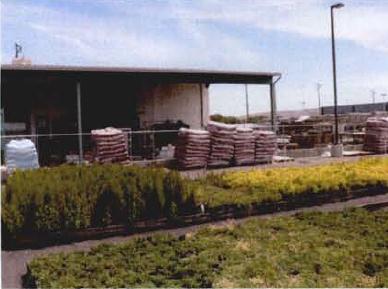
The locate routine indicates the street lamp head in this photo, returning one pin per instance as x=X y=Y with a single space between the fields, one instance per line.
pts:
x=337 y=5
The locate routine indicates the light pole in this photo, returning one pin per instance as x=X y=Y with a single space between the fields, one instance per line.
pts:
x=332 y=7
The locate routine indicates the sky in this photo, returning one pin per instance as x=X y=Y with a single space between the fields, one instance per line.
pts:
x=287 y=36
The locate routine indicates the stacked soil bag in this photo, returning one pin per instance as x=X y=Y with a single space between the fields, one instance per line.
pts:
x=192 y=148
x=111 y=146
x=376 y=135
x=4 y=174
x=265 y=146
x=21 y=154
x=221 y=144
x=244 y=146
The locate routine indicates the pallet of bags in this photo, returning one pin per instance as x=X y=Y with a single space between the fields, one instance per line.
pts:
x=192 y=148
x=21 y=154
x=244 y=146
x=376 y=135
x=265 y=146
x=221 y=144
x=111 y=146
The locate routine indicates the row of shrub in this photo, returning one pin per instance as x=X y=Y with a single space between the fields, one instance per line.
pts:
x=74 y=197
x=279 y=184
x=346 y=249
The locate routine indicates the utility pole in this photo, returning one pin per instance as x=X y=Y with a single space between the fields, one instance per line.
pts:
x=373 y=93
x=303 y=103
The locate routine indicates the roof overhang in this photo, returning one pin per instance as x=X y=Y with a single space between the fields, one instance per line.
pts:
x=154 y=74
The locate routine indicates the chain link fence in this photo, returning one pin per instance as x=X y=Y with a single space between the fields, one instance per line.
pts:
x=295 y=141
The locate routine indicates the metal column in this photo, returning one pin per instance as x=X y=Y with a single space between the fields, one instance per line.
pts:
x=201 y=102
x=273 y=106
x=246 y=103
x=80 y=145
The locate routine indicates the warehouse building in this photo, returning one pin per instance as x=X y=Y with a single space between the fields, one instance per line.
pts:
x=45 y=99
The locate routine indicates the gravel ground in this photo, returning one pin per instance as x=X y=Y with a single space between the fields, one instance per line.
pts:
x=14 y=262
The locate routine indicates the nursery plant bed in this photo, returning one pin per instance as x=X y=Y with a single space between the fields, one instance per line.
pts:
x=67 y=204
x=304 y=250
x=213 y=214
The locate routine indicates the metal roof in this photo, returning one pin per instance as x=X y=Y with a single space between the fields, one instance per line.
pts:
x=159 y=74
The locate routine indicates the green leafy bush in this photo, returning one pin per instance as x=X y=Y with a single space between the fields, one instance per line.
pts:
x=74 y=197
x=345 y=249
x=71 y=197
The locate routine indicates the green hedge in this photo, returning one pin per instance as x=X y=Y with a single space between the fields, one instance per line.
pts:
x=347 y=249
x=74 y=197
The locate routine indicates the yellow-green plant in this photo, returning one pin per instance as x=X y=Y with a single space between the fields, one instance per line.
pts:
x=259 y=185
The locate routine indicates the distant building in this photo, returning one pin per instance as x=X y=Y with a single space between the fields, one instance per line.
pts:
x=356 y=108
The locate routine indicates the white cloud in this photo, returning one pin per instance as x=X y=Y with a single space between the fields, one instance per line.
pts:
x=113 y=40
x=363 y=23
x=124 y=41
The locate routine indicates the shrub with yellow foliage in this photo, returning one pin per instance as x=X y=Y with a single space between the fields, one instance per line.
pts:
x=260 y=185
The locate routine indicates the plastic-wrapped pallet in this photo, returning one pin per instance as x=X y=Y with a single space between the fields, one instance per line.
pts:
x=265 y=146
x=192 y=148
x=376 y=135
x=221 y=143
x=21 y=154
x=111 y=146
x=244 y=146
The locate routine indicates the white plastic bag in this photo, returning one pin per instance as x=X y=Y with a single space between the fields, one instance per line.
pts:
x=21 y=154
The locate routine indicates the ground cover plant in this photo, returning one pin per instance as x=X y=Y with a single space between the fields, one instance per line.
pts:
x=342 y=249
x=277 y=184
x=75 y=197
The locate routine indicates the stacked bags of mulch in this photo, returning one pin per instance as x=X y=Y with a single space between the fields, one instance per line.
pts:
x=376 y=134
x=265 y=146
x=111 y=146
x=192 y=148
x=221 y=144
x=21 y=154
x=4 y=173
x=244 y=146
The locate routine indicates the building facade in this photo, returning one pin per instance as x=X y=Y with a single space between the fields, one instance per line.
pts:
x=46 y=101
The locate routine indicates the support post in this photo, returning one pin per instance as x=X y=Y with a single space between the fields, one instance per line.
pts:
x=246 y=103
x=79 y=118
x=201 y=103
x=273 y=106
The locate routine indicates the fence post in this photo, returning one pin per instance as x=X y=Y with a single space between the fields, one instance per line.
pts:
x=80 y=145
